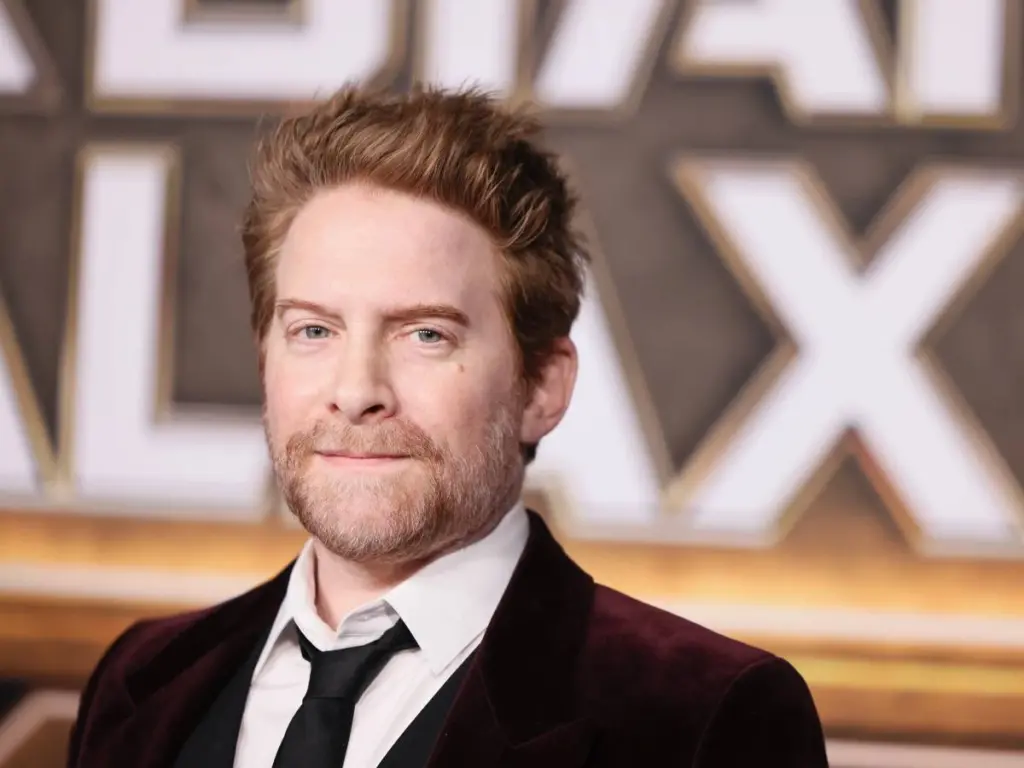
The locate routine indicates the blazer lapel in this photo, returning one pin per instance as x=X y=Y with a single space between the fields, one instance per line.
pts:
x=213 y=742
x=518 y=707
x=171 y=692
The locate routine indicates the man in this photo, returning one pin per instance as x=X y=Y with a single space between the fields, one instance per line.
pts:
x=414 y=275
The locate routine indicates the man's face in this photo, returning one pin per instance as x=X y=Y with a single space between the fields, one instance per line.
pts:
x=393 y=402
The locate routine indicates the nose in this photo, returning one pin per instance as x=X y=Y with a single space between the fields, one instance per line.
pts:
x=362 y=390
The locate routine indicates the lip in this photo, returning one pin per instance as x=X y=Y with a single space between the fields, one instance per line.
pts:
x=362 y=460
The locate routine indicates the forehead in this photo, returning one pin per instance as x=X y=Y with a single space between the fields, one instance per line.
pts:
x=364 y=243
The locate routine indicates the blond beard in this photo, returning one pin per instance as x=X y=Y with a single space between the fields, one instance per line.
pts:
x=439 y=503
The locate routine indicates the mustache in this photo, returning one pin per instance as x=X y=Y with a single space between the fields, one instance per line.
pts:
x=394 y=438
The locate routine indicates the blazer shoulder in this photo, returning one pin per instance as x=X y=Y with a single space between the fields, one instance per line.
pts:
x=666 y=688
x=134 y=647
x=657 y=661
x=151 y=649
x=660 y=639
x=144 y=640
x=104 y=698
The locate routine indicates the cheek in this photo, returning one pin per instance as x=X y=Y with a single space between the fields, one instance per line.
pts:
x=457 y=408
x=290 y=393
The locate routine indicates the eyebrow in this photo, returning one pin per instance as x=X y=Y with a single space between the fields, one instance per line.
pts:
x=393 y=317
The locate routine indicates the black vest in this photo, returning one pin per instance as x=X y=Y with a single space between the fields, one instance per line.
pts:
x=213 y=741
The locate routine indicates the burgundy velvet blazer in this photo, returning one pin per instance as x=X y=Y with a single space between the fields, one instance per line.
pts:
x=568 y=674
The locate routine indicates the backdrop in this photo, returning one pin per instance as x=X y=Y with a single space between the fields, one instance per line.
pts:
x=799 y=417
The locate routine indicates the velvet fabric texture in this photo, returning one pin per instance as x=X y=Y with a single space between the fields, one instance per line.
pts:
x=569 y=674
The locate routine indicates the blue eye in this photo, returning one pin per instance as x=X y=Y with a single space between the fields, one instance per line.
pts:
x=313 y=332
x=428 y=335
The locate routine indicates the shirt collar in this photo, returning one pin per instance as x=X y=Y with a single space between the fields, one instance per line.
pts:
x=445 y=605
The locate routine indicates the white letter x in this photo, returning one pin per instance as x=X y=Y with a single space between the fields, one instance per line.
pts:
x=857 y=334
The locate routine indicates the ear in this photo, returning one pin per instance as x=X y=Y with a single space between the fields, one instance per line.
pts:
x=551 y=393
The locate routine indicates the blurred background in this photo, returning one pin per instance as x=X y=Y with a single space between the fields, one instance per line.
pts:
x=800 y=417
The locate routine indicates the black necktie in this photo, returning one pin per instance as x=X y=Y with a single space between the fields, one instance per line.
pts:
x=317 y=736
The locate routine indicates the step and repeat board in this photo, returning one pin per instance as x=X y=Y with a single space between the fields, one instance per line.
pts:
x=800 y=413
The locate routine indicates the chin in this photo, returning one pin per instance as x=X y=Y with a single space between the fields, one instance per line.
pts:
x=364 y=520
x=367 y=510
x=366 y=498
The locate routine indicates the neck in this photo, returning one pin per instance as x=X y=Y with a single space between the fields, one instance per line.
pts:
x=342 y=586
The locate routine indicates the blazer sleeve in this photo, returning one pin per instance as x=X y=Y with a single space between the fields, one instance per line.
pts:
x=97 y=683
x=767 y=717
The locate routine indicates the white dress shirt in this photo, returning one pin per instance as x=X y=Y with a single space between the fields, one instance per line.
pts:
x=446 y=605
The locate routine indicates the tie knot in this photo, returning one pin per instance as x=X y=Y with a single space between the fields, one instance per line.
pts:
x=347 y=672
